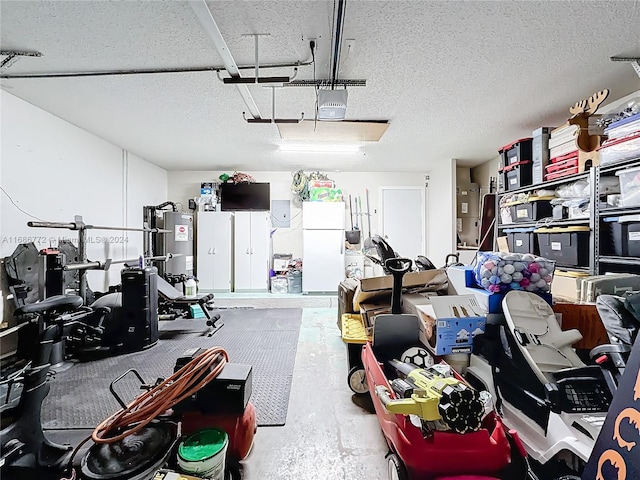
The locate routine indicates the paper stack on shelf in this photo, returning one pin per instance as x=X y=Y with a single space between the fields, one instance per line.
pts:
x=562 y=141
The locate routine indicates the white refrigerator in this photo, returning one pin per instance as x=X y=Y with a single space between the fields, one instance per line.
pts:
x=322 y=246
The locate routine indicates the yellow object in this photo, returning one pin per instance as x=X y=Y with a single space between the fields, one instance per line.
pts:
x=425 y=400
x=561 y=229
x=169 y=475
x=352 y=329
x=528 y=200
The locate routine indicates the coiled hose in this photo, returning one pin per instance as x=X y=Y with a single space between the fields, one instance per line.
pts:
x=300 y=185
x=144 y=408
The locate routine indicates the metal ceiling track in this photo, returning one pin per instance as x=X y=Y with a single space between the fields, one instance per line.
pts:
x=148 y=71
x=211 y=28
x=257 y=78
x=326 y=83
x=635 y=62
x=14 y=55
x=273 y=118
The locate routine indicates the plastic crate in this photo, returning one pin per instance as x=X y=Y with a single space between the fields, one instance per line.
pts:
x=630 y=186
x=532 y=211
x=623 y=128
x=517 y=175
x=353 y=330
x=620 y=149
x=516 y=152
x=568 y=246
x=624 y=235
x=563 y=158
x=522 y=240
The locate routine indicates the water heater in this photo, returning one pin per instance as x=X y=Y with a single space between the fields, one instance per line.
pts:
x=179 y=242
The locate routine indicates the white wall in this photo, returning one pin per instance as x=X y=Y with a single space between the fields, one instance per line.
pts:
x=185 y=185
x=441 y=211
x=54 y=170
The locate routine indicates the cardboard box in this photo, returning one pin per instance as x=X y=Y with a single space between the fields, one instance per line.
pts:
x=411 y=300
x=370 y=310
x=450 y=323
x=380 y=287
x=566 y=285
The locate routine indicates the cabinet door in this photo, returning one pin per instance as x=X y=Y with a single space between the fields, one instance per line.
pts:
x=242 y=253
x=259 y=250
x=222 y=251
x=204 y=249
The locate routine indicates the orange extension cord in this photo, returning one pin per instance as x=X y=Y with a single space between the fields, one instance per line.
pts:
x=143 y=409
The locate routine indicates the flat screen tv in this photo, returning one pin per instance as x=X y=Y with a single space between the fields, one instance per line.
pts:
x=244 y=196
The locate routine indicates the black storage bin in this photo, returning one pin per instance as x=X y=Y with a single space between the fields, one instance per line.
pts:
x=624 y=235
x=522 y=240
x=517 y=175
x=531 y=211
x=516 y=152
x=568 y=246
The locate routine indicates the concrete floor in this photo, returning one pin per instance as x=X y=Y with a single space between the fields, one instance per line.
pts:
x=328 y=435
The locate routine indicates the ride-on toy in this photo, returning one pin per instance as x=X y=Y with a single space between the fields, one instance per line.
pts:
x=544 y=390
x=418 y=413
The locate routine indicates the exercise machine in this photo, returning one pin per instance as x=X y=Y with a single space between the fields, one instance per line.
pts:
x=25 y=449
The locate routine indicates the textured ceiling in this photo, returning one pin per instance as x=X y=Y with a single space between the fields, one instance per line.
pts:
x=455 y=79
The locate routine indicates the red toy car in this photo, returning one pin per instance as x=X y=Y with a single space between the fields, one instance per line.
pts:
x=417 y=454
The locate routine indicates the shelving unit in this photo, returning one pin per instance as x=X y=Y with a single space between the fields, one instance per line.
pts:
x=591 y=221
x=613 y=263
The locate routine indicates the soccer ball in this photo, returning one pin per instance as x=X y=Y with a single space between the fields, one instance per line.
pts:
x=418 y=356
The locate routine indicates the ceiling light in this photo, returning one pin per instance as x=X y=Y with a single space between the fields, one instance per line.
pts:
x=319 y=148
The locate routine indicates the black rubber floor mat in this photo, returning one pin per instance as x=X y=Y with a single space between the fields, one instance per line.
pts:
x=267 y=339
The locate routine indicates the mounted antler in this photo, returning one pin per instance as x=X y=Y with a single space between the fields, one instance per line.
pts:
x=596 y=99
x=581 y=112
x=579 y=107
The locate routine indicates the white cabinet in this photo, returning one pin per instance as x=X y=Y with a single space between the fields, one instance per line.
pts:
x=251 y=252
x=214 y=252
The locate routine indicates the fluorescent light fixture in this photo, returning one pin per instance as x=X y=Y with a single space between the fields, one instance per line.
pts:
x=319 y=148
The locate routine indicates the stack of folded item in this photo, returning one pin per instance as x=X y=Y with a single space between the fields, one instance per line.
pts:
x=562 y=141
x=562 y=166
x=623 y=141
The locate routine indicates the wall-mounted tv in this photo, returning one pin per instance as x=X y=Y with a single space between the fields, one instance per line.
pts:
x=244 y=196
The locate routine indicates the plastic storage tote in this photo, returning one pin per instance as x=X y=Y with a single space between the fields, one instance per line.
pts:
x=568 y=246
x=517 y=175
x=620 y=149
x=522 y=240
x=630 y=185
x=624 y=128
x=532 y=211
x=516 y=152
x=625 y=235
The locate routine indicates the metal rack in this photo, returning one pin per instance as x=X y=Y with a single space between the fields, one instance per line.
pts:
x=608 y=262
x=592 y=221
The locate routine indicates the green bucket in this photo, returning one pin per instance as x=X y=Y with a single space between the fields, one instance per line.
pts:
x=203 y=452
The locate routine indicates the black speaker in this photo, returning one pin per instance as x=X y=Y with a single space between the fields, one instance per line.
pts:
x=139 y=308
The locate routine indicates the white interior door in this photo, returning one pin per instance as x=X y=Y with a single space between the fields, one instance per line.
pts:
x=222 y=251
x=402 y=219
x=259 y=250
x=242 y=251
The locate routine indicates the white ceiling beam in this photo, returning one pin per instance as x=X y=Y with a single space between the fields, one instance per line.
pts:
x=211 y=28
